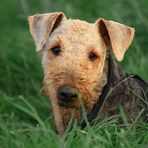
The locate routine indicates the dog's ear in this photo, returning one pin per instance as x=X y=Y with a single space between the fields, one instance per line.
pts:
x=116 y=35
x=42 y=25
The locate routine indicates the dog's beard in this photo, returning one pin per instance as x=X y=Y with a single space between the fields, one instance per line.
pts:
x=70 y=114
x=88 y=95
x=73 y=111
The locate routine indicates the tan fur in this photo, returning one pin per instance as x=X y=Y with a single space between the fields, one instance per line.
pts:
x=77 y=39
x=120 y=36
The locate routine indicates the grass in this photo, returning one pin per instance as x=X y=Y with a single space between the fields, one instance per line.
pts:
x=25 y=119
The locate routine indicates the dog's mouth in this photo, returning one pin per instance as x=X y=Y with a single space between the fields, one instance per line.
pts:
x=67 y=104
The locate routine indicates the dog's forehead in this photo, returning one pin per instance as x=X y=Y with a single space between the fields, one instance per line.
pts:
x=71 y=28
x=77 y=33
x=76 y=25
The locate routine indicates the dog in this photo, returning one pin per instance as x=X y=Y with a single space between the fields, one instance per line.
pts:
x=79 y=68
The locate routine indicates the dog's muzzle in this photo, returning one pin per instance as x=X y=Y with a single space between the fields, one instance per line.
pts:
x=67 y=94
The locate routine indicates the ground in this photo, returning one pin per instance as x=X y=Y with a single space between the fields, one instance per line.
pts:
x=25 y=120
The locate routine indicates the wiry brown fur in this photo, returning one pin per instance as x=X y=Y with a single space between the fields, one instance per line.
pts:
x=72 y=67
x=126 y=93
x=75 y=69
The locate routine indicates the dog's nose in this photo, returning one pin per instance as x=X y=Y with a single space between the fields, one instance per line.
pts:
x=66 y=93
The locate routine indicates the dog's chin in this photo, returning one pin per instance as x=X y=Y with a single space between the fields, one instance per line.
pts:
x=69 y=111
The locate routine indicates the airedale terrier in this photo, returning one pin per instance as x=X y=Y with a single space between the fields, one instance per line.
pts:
x=78 y=68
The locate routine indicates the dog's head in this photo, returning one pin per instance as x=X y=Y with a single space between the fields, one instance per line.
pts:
x=74 y=57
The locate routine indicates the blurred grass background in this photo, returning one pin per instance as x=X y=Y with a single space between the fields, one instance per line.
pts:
x=25 y=120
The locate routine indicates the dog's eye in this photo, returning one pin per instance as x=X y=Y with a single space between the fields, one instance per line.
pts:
x=56 y=50
x=93 y=56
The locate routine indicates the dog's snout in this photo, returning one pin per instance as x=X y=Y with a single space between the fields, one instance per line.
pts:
x=66 y=93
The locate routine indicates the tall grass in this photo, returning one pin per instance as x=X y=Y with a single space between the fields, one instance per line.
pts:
x=25 y=119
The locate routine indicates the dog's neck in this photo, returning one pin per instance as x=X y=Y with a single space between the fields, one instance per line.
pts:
x=112 y=74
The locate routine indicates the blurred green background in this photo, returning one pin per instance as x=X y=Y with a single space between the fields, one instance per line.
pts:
x=20 y=69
